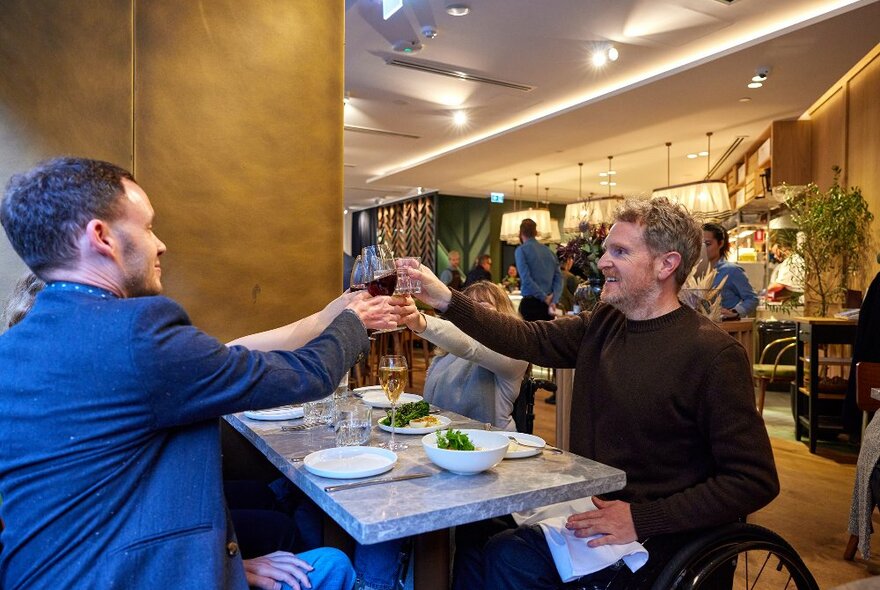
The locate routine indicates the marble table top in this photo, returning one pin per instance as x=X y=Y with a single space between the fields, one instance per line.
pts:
x=399 y=509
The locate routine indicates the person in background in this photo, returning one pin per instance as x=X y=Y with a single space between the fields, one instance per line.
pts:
x=468 y=379
x=511 y=281
x=115 y=451
x=541 y=280
x=663 y=394
x=570 y=283
x=738 y=298
x=452 y=276
x=482 y=270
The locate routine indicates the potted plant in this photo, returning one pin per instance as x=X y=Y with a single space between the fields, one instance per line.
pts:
x=586 y=249
x=836 y=237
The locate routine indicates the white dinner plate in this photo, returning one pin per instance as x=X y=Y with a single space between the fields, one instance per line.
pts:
x=279 y=413
x=444 y=422
x=362 y=390
x=377 y=399
x=350 y=462
x=515 y=451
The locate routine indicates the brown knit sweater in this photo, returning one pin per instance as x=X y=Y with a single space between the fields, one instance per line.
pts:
x=669 y=401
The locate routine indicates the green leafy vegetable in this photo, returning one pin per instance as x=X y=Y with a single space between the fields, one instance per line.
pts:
x=455 y=440
x=407 y=412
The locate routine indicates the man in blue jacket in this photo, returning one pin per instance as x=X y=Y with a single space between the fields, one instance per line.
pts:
x=109 y=399
x=541 y=279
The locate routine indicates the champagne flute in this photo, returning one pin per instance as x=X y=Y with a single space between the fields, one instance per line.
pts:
x=393 y=378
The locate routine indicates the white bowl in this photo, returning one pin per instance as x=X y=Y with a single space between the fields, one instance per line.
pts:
x=491 y=448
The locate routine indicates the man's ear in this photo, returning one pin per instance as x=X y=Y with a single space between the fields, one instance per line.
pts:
x=99 y=239
x=667 y=264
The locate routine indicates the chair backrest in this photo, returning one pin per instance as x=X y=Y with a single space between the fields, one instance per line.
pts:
x=787 y=343
x=867 y=377
x=524 y=406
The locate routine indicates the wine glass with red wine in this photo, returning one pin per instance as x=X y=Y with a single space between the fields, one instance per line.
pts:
x=381 y=270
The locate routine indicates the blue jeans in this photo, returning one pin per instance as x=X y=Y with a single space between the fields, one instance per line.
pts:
x=378 y=566
x=332 y=571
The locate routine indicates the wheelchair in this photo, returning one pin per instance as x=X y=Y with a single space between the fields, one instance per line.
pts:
x=737 y=555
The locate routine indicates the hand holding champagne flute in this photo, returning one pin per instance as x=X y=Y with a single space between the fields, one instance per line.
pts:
x=393 y=377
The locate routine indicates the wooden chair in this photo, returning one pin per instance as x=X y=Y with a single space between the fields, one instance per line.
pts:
x=867 y=377
x=766 y=373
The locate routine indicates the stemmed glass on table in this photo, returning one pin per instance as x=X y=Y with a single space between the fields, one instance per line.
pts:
x=393 y=378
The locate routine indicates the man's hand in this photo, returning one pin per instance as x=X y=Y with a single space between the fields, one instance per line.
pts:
x=434 y=292
x=268 y=571
x=611 y=519
x=375 y=312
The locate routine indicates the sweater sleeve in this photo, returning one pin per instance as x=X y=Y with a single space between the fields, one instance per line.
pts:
x=552 y=343
x=744 y=478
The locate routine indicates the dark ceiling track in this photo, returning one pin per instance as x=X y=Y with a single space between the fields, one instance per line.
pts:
x=727 y=153
x=458 y=74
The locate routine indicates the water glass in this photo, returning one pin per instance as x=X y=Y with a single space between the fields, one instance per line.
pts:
x=318 y=411
x=405 y=284
x=353 y=424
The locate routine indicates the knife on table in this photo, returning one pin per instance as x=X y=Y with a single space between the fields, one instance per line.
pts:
x=372 y=482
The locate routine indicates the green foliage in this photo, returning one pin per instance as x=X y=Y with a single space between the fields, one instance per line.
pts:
x=454 y=440
x=836 y=227
x=407 y=412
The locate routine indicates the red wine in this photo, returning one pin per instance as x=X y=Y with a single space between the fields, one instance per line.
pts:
x=383 y=285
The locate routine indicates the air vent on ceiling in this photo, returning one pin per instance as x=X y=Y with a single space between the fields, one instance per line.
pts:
x=372 y=131
x=441 y=70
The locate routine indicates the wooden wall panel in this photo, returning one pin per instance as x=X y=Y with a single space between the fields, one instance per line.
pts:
x=864 y=144
x=409 y=228
x=829 y=138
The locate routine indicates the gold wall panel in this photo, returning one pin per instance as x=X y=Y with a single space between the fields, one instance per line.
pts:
x=238 y=132
x=828 y=122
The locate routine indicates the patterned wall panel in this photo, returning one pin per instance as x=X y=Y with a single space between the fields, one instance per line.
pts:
x=409 y=227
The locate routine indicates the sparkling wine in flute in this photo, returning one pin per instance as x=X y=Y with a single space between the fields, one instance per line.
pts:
x=393 y=381
x=384 y=284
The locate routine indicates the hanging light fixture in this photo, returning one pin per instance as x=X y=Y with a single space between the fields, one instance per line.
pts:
x=511 y=220
x=706 y=199
x=555 y=235
x=593 y=210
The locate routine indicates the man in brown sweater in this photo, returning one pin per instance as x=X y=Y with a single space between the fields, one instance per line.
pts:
x=659 y=392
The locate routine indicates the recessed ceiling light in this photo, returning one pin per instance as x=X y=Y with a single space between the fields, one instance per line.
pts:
x=599 y=59
x=745 y=99
x=692 y=156
x=606 y=183
x=458 y=9
x=613 y=54
x=609 y=173
x=459 y=117
x=702 y=154
x=754 y=84
x=345 y=211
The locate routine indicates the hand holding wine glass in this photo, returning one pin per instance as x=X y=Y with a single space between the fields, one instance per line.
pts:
x=393 y=373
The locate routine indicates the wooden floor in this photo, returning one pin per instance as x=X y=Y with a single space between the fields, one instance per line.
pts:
x=812 y=508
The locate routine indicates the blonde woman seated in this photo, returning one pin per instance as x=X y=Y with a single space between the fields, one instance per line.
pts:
x=466 y=377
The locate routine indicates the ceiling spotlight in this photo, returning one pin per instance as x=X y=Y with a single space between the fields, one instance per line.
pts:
x=407 y=46
x=761 y=74
x=754 y=85
x=703 y=154
x=599 y=59
x=345 y=211
x=613 y=54
x=692 y=156
x=459 y=118
x=457 y=9
x=429 y=32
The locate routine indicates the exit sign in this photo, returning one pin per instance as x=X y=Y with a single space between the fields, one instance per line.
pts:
x=496 y=197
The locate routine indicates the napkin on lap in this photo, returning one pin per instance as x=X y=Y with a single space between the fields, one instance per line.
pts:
x=574 y=558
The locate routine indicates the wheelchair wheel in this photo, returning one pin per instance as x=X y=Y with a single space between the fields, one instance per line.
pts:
x=736 y=556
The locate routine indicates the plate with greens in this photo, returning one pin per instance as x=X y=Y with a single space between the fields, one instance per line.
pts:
x=413 y=418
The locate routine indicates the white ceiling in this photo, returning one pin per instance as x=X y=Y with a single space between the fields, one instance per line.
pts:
x=683 y=66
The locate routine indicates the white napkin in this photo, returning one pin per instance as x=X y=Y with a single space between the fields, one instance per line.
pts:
x=572 y=556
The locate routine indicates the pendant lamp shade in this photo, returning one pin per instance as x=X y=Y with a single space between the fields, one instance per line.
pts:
x=511 y=220
x=594 y=211
x=707 y=199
